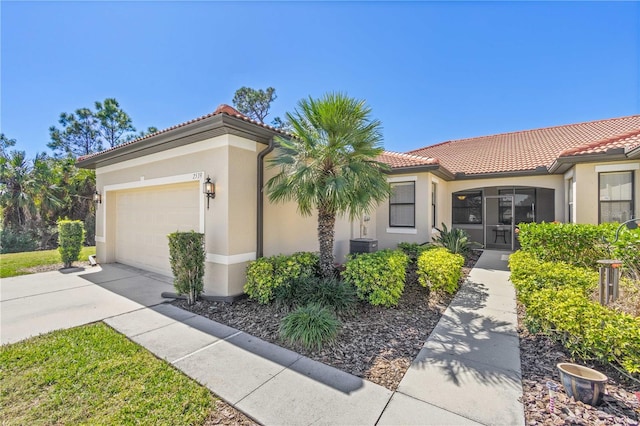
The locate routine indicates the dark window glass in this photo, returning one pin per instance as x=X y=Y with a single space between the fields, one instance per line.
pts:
x=466 y=207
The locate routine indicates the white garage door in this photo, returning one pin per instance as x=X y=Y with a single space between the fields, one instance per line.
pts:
x=145 y=216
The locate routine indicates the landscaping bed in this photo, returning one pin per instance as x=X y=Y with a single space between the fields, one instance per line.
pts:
x=539 y=356
x=375 y=343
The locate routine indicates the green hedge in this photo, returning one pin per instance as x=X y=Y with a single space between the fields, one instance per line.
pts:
x=556 y=296
x=70 y=238
x=266 y=274
x=529 y=275
x=440 y=270
x=577 y=244
x=378 y=277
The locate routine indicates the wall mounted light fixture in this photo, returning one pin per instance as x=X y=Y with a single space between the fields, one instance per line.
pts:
x=209 y=189
x=97 y=197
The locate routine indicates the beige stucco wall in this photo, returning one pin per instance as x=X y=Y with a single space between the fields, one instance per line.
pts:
x=390 y=237
x=286 y=231
x=587 y=187
x=228 y=224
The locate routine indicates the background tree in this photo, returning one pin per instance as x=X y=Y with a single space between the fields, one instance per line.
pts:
x=5 y=144
x=115 y=125
x=86 y=132
x=79 y=135
x=329 y=165
x=255 y=104
x=17 y=191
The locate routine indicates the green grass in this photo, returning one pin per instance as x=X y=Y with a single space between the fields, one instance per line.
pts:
x=94 y=375
x=13 y=264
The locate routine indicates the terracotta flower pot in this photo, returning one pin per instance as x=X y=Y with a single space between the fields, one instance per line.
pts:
x=582 y=383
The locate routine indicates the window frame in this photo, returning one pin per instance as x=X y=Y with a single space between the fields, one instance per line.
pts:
x=391 y=204
x=631 y=201
x=455 y=195
x=434 y=195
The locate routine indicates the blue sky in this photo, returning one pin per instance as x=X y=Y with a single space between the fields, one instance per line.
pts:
x=431 y=71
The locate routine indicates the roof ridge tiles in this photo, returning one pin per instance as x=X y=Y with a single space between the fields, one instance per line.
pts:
x=525 y=131
x=591 y=145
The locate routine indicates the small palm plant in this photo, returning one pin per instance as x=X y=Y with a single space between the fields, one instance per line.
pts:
x=329 y=165
x=455 y=240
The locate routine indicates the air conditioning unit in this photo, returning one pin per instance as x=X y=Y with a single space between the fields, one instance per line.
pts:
x=363 y=245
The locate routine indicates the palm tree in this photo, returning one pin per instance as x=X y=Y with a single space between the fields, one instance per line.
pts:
x=329 y=165
x=17 y=190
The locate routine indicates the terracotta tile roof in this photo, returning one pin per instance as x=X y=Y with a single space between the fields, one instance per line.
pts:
x=222 y=109
x=399 y=160
x=530 y=149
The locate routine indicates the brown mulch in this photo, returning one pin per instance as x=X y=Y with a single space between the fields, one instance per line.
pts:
x=539 y=355
x=54 y=267
x=375 y=343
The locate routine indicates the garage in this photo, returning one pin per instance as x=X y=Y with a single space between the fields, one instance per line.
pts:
x=145 y=216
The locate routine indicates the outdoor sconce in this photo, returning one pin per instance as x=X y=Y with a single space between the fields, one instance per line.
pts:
x=97 y=197
x=209 y=190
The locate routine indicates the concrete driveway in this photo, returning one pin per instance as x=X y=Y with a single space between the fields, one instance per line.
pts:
x=40 y=303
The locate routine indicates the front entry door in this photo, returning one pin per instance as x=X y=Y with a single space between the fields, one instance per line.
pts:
x=499 y=222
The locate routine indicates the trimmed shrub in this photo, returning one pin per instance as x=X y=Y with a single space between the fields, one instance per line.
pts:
x=577 y=244
x=587 y=329
x=70 y=238
x=455 y=240
x=440 y=270
x=627 y=249
x=414 y=250
x=266 y=274
x=529 y=275
x=310 y=326
x=328 y=292
x=557 y=298
x=378 y=277
x=187 y=256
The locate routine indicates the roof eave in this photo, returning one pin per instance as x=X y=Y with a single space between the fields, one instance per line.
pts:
x=204 y=129
x=436 y=169
x=633 y=153
x=541 y=170
x=564 y=163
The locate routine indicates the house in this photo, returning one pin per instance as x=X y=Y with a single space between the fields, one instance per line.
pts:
x=153 y=186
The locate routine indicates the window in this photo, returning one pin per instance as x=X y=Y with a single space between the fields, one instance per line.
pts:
x=524 y=202
x=570 y=200
x=434 y=194
x=467 y=207
x=402 y=206
x=616 y=196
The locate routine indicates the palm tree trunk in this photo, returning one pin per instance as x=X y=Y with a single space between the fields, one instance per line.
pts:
x=326 y=229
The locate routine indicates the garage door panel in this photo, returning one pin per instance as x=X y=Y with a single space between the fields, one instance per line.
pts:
x=145 y=216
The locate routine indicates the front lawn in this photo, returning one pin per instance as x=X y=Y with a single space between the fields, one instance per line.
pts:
x=92 y=374
x=13 y=264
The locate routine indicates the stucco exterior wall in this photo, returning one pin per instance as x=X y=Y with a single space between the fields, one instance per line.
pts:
x=587 y=187
x=286 y=231
x=228 y=224
x=388 y=236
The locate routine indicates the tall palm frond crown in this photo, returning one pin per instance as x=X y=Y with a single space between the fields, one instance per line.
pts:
x=330 y=161
x=329 y=165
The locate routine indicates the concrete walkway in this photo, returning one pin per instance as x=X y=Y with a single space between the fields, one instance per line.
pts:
x=467 y=373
